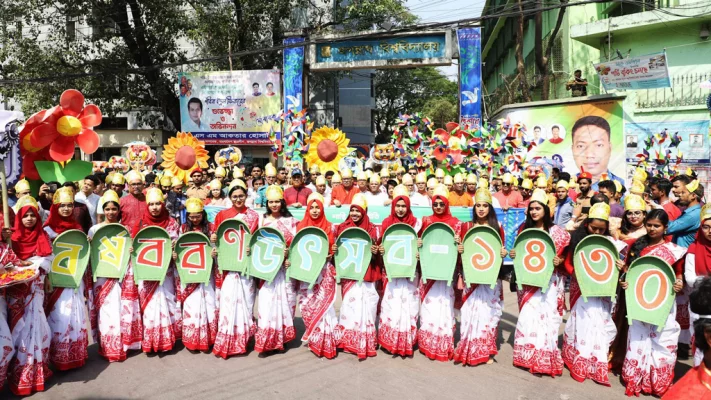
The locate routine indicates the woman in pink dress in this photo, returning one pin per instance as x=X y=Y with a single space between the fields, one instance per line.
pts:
x=161 y=313
x=397 y=331
x=436 y=335
x=482 y=306
x=651 y=355
x=235 y=292
x=540 y=314
x=29 y=369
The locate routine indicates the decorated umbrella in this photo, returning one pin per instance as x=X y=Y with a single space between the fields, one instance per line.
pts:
x=183 y=154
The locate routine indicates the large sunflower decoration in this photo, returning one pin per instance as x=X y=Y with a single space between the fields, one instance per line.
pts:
x=183 y=154
x=327 y=146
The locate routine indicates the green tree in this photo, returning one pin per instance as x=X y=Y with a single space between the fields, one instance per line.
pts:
x=441 y=110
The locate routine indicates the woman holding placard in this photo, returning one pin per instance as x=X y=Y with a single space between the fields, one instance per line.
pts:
x=590 y=329
x=161 y=314
x=317 y=304
x=277 y=299
x=540 y=316
x=118 y=314
x=356 y=326
x=482 y=306
x=649 y=362
x=65 y=306
x=397 y=331
x=698 y=262
x=632 y=226
x=199 y=301
x=435 y=337
x=235 y=293
x=29 y=369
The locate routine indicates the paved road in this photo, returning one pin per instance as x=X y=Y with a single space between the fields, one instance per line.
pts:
x=297 y=374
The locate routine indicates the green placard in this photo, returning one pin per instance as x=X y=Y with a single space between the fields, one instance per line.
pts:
x=650 y=294
x=354 y=253
x=400 y=245
x=308 y=254
x=267 y=245
x=151 y=254
x=194 y=262
x=594 y=260
x=71 y=257
x=232 y=240
x=110 y=251
x=481 y=259
x=535 y=250
x=438 y=255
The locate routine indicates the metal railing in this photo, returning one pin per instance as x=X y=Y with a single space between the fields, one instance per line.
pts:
x=685 y=91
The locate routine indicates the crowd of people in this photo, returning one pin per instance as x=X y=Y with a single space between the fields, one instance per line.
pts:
x=47 y=327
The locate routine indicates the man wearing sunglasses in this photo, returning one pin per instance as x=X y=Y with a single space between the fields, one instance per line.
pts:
x=507 y=197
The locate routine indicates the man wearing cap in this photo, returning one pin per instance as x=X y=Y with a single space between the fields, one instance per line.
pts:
x=315 y=172
x=439 y=174
x=563 y=211
x=471 y=185
x=459 y=197
x=375 y=196
x=420 y=197
x=175 y=200
x=323 y=189
x=118 y=184
x=297 y=194
x=198 y=190
x=684 y=228
x=526 y=190
x=408 y=183
x=362 y=182
x=133 y=204
x=221 y=174
x=88 y=197
x=583 y=197
x=507 y=197
x=343 y=193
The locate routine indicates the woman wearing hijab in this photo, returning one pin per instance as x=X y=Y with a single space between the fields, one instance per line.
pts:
x=235 y=292
x=160 y=311
x=540 y=314
x=317 y=304
x=199 y=314
x=277 y=299
x=697 y=264
x=435 y=337
x=482 y=306
x=65 y=306
x=29 y=369
x=397 y=330
x=356 y=326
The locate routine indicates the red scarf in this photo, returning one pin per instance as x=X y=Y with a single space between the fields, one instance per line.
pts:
x=162 y=220
x=392 y=219
x=61 y=224
x=29 y=242
x=364 y=223
x=446 y=216
x=701 y=248
x=321 y=222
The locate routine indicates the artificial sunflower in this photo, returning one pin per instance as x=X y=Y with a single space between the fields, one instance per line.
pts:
x=183 y=154
x=327 y=147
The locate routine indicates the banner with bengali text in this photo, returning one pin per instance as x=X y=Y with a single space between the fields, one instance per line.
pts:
x=645 y=72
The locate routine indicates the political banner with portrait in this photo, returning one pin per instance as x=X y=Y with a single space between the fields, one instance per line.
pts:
x=694 y=145
x=230 y=107
x=584 y=134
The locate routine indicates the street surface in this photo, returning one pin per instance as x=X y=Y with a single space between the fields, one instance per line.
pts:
x=297 y=374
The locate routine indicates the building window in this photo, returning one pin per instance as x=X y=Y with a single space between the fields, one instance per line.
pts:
x=372 y=122
x=372 y=85
x=71 y=29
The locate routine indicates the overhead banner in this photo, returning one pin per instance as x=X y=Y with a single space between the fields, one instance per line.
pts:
x=469 y=76
x=224 y=107
x=587 y=134
x=293 y=75
x=645 y=72
x=694 y=145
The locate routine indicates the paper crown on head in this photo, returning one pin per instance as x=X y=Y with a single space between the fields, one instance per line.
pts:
x=421 y=178
x=507 y=178
x=320 y=180
x=22 y=186
x=448 y=180
x=215 y=184
x=401 y=190
x=692 y=186
x=441 y=190
x=118 y=179
x=600 y=211
x=540 y=196
x=274 y=192
x=26 y=201
x=63 y=195
x=458 y=178
x=166 y=181
x=237 y=172
x=618 y=186
x=362 y=176
x=541 y=182
x=482 y=195
x=346 y=173
x=637 y=187
x=407 y=179
x=483 y=183
x=194 y=205
x=527 y=184
x=220 y=171
x=315 y=196
x=175 y=181
x=134 y=176
x=360 y=200
x=374 y=179
x=471 y=178
x=314 y=169
x=336 y=178
x=154 y=195
x=439 y=173
x=432 y=182
x=368 y=174
x=639 y=174
x=109 y=177
x=238 y=182
x=705 y=212
x=384 y=173
x=562 y=184
x=108 y=196
x=635 y=202
x=269 y=170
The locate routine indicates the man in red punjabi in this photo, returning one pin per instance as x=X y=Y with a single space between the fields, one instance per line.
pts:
x=343 y=193
x=134 y=203
x=507 y=197
x=296 y=194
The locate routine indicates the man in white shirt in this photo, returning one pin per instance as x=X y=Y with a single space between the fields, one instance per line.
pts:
x=374 y=195
x=195 y=123
x=88 y=197
x=323 y=189
x=420 y=197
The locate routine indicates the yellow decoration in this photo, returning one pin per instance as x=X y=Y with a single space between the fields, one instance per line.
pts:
x=384 y=173
x=432 y=182
x=269 y=170
x=421 y=178
x=562 y=184
x=215 y=184
x=336 y=178
x=705 y=212
x=360 y=200
x=69 y=126
x=458 y=178
x=618 y=187
x=154 y=195
x=441 y=190
x=63 y=195
x=483 y=195
x=539 y=195
x=22 y=186
x=483 y=183
x=134 y=176
x=407 y=179
x=600 y=211
x=471 y=178
x=166 y=181
x=26 y=201
x=527 y=184
x=274 y=192
x=175 y=181
x=541 y=182
x=109 y=195
x=315 y=196
x=237 y=172
x=374 y=179
x=448 y=180
x=401 y=190
x=637 y=187
x=346 y=173
x=327 y=146
x=692 y=186
x=639 y=174
x=635 y=202
x=220 y=171
x=118 y=179
x=177 y=146
x=507 y=178
x=439 y=173
x=361 y=176
x=238 y=182
x=194 y=205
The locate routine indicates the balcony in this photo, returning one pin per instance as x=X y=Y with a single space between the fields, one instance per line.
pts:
x=685 y=92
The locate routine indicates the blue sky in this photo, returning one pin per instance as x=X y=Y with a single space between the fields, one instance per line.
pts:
x=443 y=11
